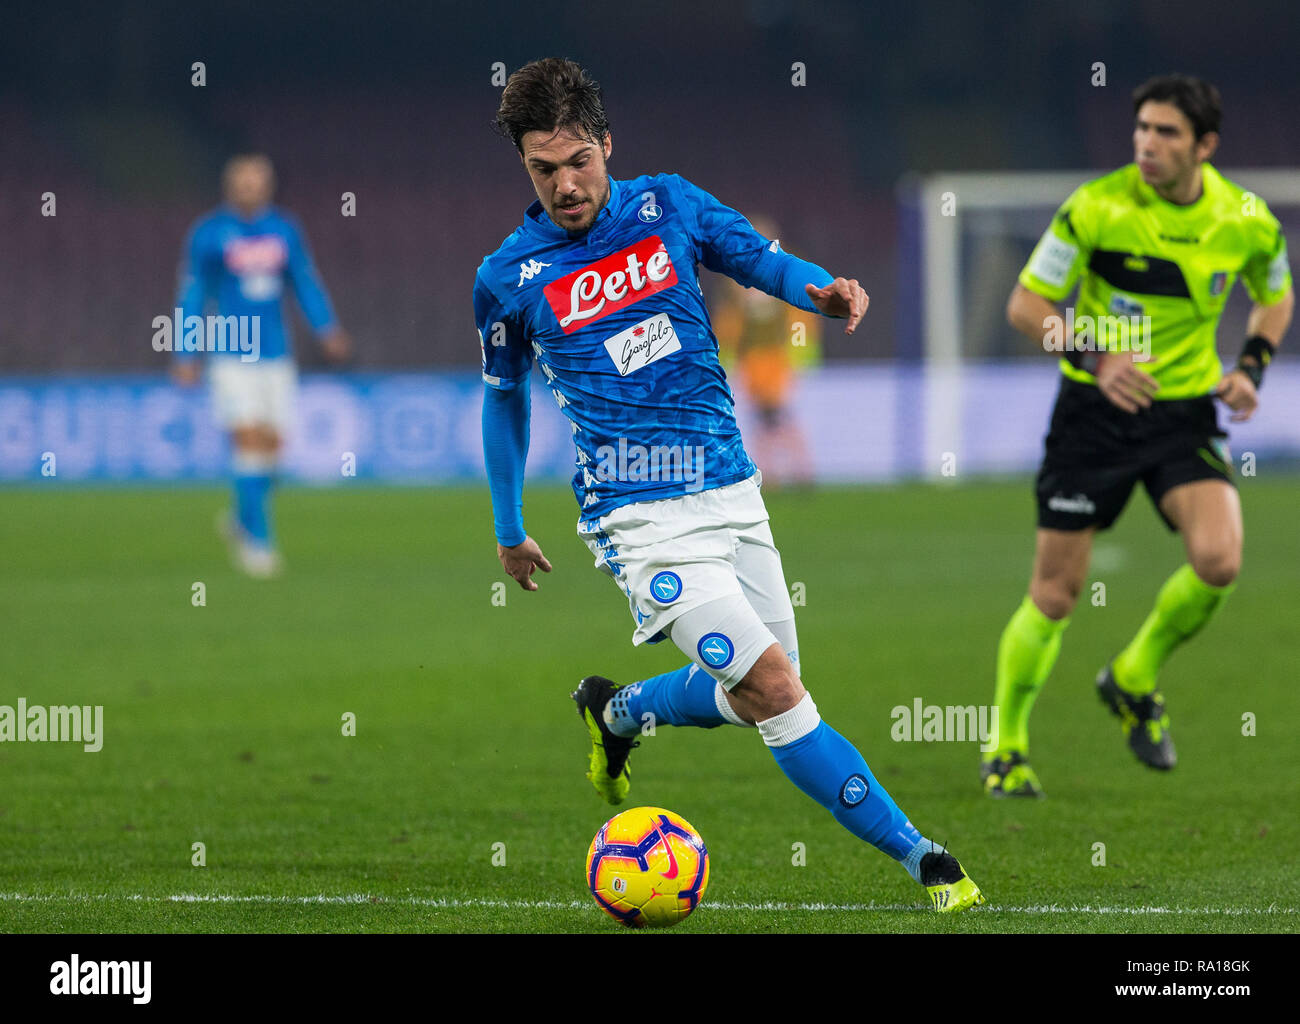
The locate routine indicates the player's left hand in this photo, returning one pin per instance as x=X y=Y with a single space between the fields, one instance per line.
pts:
x=186 y=372
x=521 y=560
x=841 y=298
x=336 y=344
x=1239 y=395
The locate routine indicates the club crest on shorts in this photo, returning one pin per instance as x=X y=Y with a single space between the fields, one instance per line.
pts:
x=666 y=587
x=854 y=790
x=716 y=650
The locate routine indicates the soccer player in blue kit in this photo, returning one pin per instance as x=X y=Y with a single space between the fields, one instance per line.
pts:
x=241 y=257
x=599 y=286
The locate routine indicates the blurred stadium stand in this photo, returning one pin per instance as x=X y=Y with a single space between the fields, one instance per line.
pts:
x=394 y=105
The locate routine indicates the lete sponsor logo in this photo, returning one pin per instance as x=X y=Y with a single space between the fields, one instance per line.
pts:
x=610 y=284
x=258 y=254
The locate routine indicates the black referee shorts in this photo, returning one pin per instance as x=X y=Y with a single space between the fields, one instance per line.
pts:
x=1095 y=452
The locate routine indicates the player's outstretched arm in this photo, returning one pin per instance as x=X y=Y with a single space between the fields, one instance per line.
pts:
x=730 y=245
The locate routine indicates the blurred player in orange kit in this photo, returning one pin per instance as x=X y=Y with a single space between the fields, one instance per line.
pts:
x=767 y=342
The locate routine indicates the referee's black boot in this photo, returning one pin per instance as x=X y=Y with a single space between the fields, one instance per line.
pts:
x=1144 y=720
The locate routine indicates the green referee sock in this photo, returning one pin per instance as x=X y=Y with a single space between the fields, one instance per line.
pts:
x=1185 y=604
x=1026 y=654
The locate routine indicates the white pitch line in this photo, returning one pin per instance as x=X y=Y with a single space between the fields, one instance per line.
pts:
x=438 y=903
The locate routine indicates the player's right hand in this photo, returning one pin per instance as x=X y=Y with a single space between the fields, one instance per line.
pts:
x=1238 y=392
x=1123 y=383
x=186 y=372
x=337 y=345
x=522 y=560
x=842 y=298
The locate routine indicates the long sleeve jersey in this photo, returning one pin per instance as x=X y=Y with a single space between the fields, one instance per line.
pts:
x=615 y=318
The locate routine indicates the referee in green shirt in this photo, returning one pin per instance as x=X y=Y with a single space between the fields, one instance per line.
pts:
x=1154 y=248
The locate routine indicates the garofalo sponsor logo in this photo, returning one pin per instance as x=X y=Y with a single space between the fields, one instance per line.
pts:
x=934 y=723
x=55 y=723
x=180 y=333
x=75 y=977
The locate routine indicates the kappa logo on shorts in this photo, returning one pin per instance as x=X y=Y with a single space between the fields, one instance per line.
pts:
x=854 y=790
x=716 y=650
x=666 y=587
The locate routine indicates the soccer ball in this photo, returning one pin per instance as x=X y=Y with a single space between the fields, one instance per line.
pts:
x=647 y=868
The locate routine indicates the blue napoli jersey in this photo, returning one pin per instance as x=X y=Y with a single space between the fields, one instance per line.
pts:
x=616 y=320
x=244 y=267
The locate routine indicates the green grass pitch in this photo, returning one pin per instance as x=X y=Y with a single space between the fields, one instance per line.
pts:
x=223 y=723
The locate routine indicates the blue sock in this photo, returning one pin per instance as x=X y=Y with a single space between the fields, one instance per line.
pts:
x=252 y=494
x=830 y=769
x=685 y=696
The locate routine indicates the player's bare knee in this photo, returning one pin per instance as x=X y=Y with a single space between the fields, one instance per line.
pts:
x=1055 y=596
x=771 y=686
x=1217 y=567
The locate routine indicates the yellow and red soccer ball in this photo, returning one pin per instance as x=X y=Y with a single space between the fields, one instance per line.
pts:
x=647 y=868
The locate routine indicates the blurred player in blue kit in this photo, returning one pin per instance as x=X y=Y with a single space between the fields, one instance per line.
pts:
x=599 y=286
x=240 y=257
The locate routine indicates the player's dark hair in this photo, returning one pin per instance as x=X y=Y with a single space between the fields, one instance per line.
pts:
x=548 y=95
x=1195 y=97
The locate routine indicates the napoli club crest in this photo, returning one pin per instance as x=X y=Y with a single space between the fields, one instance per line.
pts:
x=650 y=211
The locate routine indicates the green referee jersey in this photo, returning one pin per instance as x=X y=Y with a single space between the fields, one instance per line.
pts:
x=1153 y=272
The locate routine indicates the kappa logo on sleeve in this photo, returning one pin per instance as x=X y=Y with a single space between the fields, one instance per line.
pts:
x=529 y=270
x=610 y=284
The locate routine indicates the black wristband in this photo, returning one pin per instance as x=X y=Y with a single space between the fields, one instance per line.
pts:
x=1260 y=349
x=1084 y=359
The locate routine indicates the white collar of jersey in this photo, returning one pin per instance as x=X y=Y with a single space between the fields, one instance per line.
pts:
x=537 y=220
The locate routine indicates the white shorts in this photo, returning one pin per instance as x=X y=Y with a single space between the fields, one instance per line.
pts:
x=702 y=570
x=261 y=392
